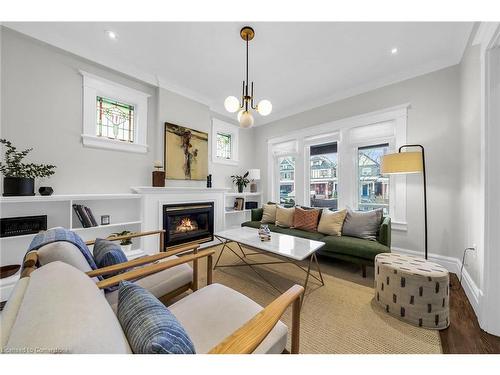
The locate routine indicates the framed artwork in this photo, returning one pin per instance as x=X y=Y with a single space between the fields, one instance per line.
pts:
x=185 y=153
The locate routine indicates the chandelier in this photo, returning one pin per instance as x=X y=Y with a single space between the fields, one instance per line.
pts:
x=243 y=106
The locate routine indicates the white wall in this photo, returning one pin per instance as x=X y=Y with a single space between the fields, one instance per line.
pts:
x=472 y=214
x=42 y=108
x=433 y=120
x=183 y=111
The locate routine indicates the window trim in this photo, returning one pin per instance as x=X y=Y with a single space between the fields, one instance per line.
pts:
x=94 y=86
x=347 y=158
x=219 y=126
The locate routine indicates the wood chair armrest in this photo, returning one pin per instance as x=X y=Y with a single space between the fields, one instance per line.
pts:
x=130 y=236
x=249 y=336
x=151 y=269
x=141 y=261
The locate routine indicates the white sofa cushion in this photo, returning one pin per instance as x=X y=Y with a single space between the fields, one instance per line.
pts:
x=212 y=313
x=9 y=313
x=63 y=311
x=160 y=283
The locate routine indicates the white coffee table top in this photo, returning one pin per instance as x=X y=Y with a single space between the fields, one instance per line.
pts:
x=281 y=244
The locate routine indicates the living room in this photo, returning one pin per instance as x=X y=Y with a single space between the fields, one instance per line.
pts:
x=164 y=163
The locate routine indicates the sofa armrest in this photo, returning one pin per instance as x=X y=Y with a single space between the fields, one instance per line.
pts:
x=384 y=235
x=249 y=336
x=257 y=214
x=157 y=267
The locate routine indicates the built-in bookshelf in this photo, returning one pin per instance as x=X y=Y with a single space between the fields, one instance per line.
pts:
x=124 y=210
x=234 y=218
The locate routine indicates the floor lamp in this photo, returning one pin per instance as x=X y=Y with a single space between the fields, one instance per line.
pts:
x=405 y=163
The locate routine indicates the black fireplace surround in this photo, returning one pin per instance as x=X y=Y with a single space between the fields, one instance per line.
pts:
x=188 y=222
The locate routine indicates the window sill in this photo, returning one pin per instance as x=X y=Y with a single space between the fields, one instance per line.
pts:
x=399 y=226
x=225 y=161
x=111 y=144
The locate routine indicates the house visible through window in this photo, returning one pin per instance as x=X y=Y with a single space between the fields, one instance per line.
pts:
x=373 y=187
x=323 y=175
x=115 y=120
x=224 y=149
x=287 y=179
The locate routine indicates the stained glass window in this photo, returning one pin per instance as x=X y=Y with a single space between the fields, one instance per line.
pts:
x=115 y=120
x=223 y=146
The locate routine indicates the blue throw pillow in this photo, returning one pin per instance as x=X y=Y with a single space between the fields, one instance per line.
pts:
x=149 y=326
x=108 y=253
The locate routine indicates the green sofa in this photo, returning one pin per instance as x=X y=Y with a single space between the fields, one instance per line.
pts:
x=351 y=249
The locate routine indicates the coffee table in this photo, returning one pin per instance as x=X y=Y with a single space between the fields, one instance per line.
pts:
x=289 y=249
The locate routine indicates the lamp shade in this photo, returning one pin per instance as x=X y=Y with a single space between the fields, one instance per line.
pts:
x=254 y=174
x=402 y=163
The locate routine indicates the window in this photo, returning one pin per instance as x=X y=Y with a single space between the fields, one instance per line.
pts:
x=223 y=146
x=287 y=180
x=323 y=175
x=114 y=116
x=115 y=120
x=224 y=142
x=373 y=187
x=337 y=164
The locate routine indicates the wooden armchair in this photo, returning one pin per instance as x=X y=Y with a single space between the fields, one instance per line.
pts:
x=166 y=285
x=252 y=329
x=250 y=334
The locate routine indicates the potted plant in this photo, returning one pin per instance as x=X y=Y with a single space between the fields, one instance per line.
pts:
x=240 y=181
x=126 y=244
x=19 y=177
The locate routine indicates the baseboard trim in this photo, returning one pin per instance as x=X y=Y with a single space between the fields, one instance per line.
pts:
x=453 y=265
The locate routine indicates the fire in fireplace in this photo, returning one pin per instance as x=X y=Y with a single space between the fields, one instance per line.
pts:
x=186 y=225
x=188 y=222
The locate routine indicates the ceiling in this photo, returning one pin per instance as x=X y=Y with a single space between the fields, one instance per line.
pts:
x=296 y=65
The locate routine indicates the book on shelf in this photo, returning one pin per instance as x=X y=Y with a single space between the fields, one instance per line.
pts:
x=91 y=216
x=83 y=215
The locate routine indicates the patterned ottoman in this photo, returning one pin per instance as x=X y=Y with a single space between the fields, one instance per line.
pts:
x=413 y=289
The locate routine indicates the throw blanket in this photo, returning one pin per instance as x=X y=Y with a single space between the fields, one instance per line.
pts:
x=63 y=234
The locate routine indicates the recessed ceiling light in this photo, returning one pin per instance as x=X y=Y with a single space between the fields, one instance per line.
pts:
x=394 y=51
x=111 y=35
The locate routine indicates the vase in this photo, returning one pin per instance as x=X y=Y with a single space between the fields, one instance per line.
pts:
x=240 y=188
x=18 y=186
x=45 y=190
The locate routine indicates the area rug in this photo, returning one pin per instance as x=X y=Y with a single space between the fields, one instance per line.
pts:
x=339 y=317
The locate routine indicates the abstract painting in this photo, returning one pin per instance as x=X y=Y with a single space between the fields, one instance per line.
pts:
x=185 y=153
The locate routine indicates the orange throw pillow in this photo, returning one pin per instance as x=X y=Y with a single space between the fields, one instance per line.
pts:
x=306 y=219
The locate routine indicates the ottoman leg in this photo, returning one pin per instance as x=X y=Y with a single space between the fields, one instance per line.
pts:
x=363 y=270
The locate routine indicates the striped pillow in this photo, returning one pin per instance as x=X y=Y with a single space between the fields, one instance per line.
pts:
x=306 y=219
x=108 y=253
x=149 y=326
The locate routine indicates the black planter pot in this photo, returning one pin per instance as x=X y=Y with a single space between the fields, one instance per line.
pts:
x=18 y=186
x=240 y=188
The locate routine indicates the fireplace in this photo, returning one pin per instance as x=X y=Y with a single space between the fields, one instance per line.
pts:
x=188 y=222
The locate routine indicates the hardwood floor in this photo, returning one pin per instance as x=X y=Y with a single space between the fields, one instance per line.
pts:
x=464 y=336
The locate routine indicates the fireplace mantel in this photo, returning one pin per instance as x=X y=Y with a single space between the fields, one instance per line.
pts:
x=177 y=189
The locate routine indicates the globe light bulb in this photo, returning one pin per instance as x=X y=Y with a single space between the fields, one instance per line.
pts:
x=264 y=107
x=239 y=114
x=246 y=119
x=232 y=104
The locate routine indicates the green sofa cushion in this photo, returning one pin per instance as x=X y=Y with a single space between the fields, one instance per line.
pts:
x=355 y=247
